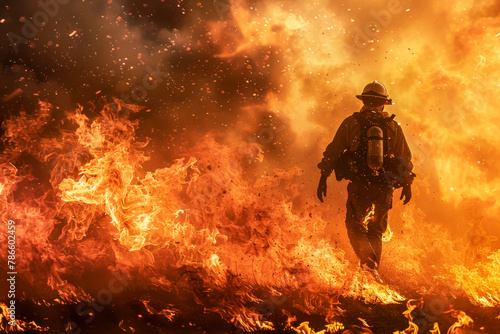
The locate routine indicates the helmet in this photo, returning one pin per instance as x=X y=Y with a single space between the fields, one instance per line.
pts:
x=375 y=89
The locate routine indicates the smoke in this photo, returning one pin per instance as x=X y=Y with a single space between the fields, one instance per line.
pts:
x=284 y=75
x=90 y=50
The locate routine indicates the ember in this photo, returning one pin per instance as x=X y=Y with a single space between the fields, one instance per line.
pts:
x=191 y=206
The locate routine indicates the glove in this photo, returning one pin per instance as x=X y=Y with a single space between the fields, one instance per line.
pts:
x=406 y=193
x=322 y=187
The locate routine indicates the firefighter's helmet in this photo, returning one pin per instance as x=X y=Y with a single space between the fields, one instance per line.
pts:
x=377 y=90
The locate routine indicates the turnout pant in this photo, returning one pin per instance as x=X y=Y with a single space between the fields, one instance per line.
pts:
x=365 y=233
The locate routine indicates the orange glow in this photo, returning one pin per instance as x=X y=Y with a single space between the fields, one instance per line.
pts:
x=234 y=223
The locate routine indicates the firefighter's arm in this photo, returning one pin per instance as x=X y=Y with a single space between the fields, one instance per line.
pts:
x=403 y=150
x=331 y=155
x=335 y=149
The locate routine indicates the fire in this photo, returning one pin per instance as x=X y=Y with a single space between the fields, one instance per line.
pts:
x=387 y=236
x=231 y=221
x=369 y=216
x=304 y=328
x=418 y=311
x=19 y=325
x=200 y=212
x=444 y=97
x=412 y=306
x=435 y=330
x=463 y=321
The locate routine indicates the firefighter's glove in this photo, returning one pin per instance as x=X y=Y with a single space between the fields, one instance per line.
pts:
x=406 y=193
x=322 y=187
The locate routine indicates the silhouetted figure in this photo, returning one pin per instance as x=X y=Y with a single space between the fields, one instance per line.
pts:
x=370 y=150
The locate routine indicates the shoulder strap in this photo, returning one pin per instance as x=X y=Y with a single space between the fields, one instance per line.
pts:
x=365 y=123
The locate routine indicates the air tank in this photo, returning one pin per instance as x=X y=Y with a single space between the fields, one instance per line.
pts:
x=375 y=154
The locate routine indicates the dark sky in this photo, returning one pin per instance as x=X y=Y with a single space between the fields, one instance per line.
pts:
x=157 y=54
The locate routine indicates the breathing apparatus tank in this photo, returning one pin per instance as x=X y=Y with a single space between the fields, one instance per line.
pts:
x=375 y=151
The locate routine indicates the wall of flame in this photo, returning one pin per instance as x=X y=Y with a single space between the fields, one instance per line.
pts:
x=224 y=190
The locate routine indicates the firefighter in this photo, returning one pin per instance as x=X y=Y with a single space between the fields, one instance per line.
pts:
x=370 y=150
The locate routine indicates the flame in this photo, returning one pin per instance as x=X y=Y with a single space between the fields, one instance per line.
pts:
x=8 y=323
x=199 y=211
x=463 y=321
x=229 y=217
x=387 y=235
x=412 y=305
x=304 y=328
x=334 y=327
x=435 y=330
x=369 y=216
x=265 y=325
x=485 y=291
x=207 y=217
x=417 y=309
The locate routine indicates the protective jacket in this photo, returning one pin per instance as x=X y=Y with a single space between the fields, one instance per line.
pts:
x=348 y=137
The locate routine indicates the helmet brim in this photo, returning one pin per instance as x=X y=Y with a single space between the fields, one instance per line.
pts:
x=387 y=101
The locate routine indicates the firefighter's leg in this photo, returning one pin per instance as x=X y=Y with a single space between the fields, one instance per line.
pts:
x=378 y=225
x=358 y=205
x=375 y=236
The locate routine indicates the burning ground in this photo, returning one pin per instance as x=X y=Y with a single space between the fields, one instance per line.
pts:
x=191 y=207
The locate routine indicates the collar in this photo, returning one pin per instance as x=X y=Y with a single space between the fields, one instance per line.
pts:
x=383 y=113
